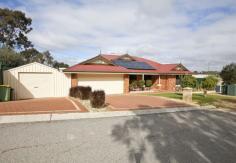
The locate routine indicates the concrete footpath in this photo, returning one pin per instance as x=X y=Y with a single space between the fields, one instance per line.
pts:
x=71 y=116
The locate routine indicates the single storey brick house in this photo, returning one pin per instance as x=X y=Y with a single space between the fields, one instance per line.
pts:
x=114 y=73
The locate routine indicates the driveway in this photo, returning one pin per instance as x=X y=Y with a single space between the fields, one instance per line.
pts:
x=182 y=137
x=41 y=105
x=131 y=102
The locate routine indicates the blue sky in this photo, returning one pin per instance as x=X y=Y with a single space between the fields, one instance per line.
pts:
x=192 y=32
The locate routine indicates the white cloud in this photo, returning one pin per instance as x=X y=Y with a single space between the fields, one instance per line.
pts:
x=161 y=30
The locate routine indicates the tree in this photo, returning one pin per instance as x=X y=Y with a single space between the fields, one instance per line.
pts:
x=48 y=58
x=188 y=81
x=32 y=55
x=228 y=74
x=10 y=59
x=14 y=26
x=209 y=83
x=57 y=64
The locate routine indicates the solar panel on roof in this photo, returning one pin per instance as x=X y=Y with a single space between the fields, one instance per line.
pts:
x=133 y=65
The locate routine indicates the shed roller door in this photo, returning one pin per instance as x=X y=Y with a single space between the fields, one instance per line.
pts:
x=111 y=84
x=36 y=85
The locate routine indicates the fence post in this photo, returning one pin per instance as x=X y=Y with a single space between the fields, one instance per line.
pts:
x=1 y=74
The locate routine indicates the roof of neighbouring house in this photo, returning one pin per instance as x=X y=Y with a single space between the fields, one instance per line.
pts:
x=126 y=64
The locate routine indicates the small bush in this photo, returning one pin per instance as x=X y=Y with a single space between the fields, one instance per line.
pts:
x=141 y=83
x=148 y=83
x=80 y=92
x=85 y=92
x=133 y=85
x=97 y=99
x=209 y=83
x=74 y=92
x=188 y=81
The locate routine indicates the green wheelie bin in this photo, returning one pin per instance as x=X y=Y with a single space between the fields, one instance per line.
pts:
x=5 y=93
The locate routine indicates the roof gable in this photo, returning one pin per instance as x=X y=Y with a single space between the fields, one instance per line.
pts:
x=98 y=60
x=125 y=57
x=179 y=67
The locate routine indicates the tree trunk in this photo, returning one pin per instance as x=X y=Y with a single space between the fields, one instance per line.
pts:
x=205 y=93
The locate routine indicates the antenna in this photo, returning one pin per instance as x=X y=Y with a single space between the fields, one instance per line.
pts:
x=127 y=51
x=208 y=67
x=100 y=52
x=180 y=60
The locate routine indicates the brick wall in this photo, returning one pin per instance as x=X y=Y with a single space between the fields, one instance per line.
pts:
x=155 y=82
x=126 y=83
x=168 y=82
x=74 y=80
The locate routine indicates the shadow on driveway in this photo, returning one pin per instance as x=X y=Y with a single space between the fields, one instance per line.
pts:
x=183 y=137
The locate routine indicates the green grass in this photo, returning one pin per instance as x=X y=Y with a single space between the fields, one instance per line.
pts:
x=210 y=99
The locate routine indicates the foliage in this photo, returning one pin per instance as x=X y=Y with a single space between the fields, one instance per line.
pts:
x=9 y=58
x=74 y=92
x=209 y=83
x=148 y=83
x=134 y=84
x=57 y=64
x=228 y=74
x=85 y=92
x=141 y=83
x=14 y=26
x=188 y=81
x=97 y=99
x=80 y=92
x=33 y=55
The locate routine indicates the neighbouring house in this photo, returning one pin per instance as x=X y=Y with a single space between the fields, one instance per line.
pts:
x=111 y=73
x=114 y=73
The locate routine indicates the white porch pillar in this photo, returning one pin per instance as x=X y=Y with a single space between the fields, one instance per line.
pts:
x=159 y=80
x=142 y=76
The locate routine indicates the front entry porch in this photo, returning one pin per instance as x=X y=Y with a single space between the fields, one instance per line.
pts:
x=150 y=82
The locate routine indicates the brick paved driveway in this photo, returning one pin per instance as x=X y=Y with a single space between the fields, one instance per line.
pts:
x=42 y=105
x=131 y=102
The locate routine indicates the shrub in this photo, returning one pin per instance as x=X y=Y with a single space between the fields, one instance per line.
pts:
x=141 y=83
x=148 y=83
x=80 y=92
x=209 y=83
x=134 y=84
x=97 y=99
x=85 y=92
x=74 y=92
x=188 y=81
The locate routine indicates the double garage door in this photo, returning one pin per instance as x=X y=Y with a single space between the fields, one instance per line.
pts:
x=36 y=85
x=111 y=84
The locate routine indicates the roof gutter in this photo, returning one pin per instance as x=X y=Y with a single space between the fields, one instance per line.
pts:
x=130 y=73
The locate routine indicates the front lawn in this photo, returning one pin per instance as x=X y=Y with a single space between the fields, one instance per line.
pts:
x=220 y=101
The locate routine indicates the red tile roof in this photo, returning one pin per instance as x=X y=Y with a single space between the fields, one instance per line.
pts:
x=160 y=68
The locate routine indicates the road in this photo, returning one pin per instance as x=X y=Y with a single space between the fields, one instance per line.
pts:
x=182 y=137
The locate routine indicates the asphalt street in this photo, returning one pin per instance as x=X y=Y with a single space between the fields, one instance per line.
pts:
x=182 y=137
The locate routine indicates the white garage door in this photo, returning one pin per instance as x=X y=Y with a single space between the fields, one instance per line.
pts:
x=111 y=84
x=36 y=85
